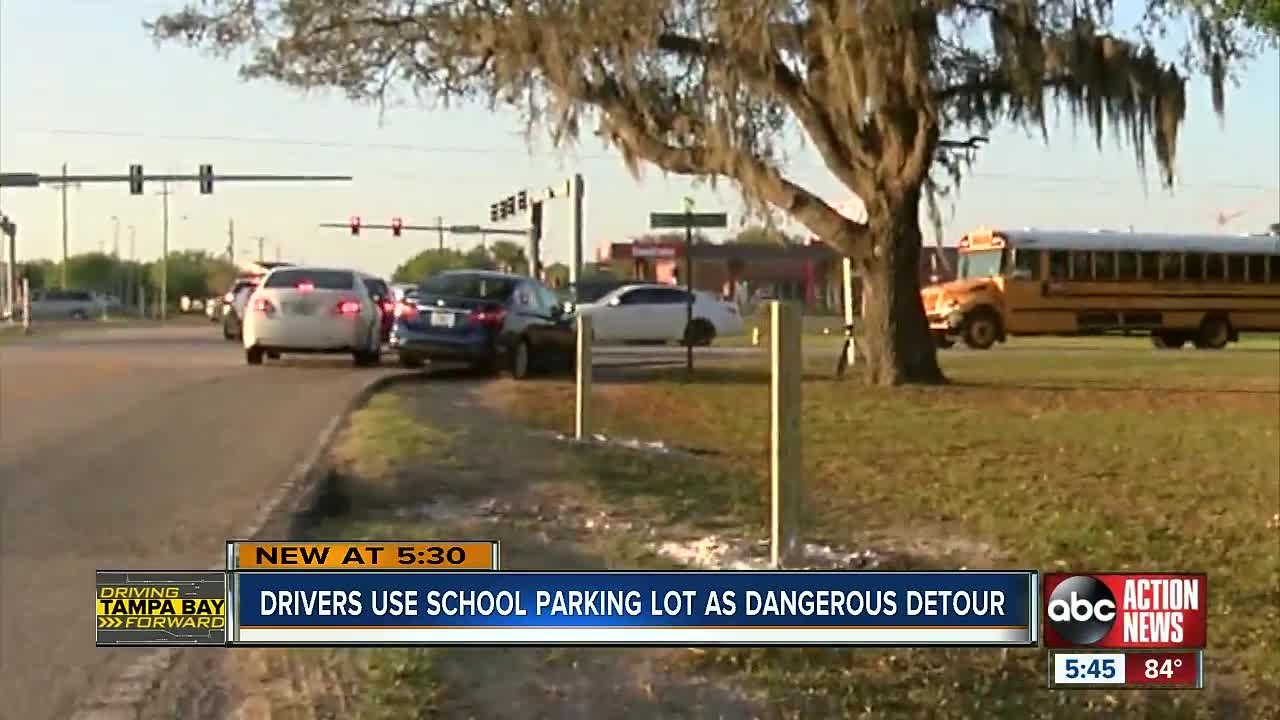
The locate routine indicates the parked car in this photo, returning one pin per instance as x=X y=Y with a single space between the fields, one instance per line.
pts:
x=657 y=313
x=489 y=320
x=381 y=294
x=312 y=310
x=65 y=305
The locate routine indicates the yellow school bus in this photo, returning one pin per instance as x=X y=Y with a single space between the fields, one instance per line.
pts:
x=1203 y=289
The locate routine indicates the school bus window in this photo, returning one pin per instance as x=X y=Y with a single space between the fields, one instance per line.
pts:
x=1171 y=266
x=1149 y=266
x=1080 y=265
x=1059 y=265
x=1195 y=266
x=1127 y=266
x=1215 y=267
x=1257 y=268
x=1235 y=268
x=1026 y=263
x=1274 y=270
x=1104 y=265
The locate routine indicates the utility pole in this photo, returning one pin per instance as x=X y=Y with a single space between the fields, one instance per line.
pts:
x=231 y=241
x=261 y=255
x=115 y=236
x=62 y=188
x=440 y=224
x=577 y=189
x=164 y=251
x=133 y=259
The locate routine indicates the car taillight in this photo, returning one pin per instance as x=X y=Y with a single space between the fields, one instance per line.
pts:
x=263 y=305
x=306 y=286
x=405 y=310
x=348 y=307
x=491 y=317
x=388 y=307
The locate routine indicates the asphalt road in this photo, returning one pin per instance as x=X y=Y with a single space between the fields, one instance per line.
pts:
x=131 y=449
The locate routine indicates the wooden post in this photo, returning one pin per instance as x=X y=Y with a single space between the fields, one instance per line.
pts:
x=582 y=418
x=786 y=468
x=26 y=305
x=851 y=352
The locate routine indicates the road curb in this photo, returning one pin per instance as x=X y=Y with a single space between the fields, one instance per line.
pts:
x=160 y=672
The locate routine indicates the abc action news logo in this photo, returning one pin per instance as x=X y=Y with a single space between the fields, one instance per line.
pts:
x=1115 y=610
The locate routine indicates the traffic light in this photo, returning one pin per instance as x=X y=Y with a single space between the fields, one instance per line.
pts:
x=355 y=225
x=508 y=207
x=396 y=225
x=522 y=201
x=135 y=179
x=206 y=179
x=493 y=213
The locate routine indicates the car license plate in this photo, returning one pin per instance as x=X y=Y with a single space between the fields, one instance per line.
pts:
x=298 y=308
x=442 y=319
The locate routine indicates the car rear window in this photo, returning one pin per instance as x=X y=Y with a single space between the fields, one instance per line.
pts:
x=470 y=287
x=376 y=287
x=319 y=279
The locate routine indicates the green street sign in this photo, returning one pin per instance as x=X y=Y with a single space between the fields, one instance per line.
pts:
x=668 y=221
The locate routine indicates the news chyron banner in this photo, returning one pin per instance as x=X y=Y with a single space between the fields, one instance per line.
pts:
x=1126 y=629
x=625 y=608
x=326 y=556
x=178 y=608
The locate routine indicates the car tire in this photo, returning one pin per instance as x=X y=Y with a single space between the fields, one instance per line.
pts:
x=79 y=315
x=522 y=360
x=700 y=333
x=253 y=355
x=410 y=362
x=981 y=329
x=273 y=355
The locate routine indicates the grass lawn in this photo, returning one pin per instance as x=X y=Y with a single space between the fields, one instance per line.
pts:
x=1117 y=459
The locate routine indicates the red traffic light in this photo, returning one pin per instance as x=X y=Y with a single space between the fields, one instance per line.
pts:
x=396 y=225
x=355 y=224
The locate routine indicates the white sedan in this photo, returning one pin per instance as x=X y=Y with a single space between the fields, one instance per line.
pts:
x=656 y=313
x=312 y=310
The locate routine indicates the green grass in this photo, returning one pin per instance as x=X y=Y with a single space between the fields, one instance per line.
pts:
x=383 y=435
x=1110 y=460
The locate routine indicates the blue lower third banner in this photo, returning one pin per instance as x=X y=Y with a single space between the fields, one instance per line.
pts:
x=635 y=608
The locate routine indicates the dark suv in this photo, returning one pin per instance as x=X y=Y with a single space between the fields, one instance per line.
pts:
x=488 y=320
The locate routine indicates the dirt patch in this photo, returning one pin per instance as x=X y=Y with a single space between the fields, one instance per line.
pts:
x=495 y=479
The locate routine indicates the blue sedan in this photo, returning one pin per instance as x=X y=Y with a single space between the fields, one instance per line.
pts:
x=488 y=320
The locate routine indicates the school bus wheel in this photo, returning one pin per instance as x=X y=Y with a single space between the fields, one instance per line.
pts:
x=1215 y=332
x=1168 y=339
x=981 y=328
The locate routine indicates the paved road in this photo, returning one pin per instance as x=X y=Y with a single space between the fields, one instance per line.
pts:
x=131 y=449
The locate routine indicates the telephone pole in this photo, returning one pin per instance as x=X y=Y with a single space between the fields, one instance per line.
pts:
x=440 y=224
x=164 y=250
x=62 y=188
x=231 y=241
x=115 y=236
x=261 y=254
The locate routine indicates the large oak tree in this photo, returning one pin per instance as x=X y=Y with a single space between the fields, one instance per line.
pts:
x=714 y=88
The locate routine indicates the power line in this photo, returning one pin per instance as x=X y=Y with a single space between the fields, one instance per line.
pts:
x=464 y=150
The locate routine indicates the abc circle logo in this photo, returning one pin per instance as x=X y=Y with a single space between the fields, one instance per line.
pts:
x=1082 y=610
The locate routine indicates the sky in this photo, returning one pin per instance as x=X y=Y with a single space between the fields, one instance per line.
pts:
x=81 y=83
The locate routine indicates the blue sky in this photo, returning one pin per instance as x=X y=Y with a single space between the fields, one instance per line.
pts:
x=87 y=67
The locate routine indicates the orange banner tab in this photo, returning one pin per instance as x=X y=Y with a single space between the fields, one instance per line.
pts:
x=363 y=556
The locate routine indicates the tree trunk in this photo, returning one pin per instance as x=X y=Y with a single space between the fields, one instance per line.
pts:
x=898 y=346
